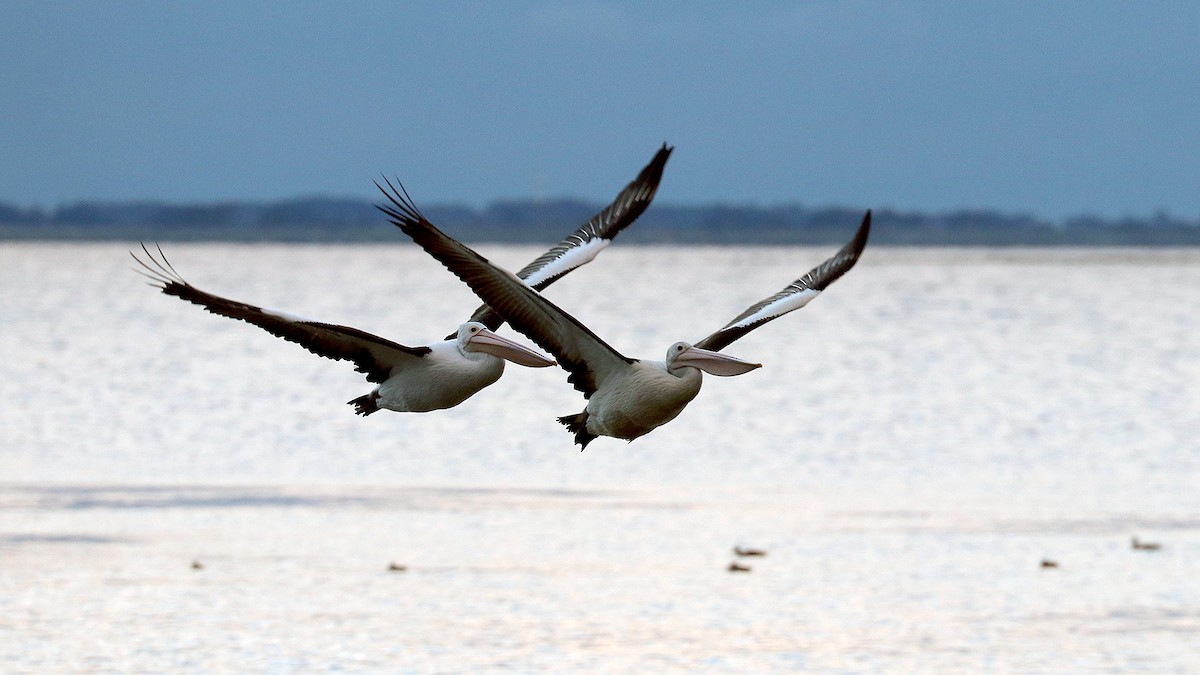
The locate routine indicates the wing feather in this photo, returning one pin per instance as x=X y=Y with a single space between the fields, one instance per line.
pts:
x=584 y=244
x=587 y=358
x=371 y=354
x=796 y=295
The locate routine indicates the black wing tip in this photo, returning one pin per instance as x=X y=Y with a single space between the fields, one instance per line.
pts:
x=403 y=211
x=654 y=170
x=157 y=268
x=845 y=258
x=860 y=237
x=651 y=174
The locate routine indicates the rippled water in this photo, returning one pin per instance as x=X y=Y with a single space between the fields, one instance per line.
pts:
x=921 y=437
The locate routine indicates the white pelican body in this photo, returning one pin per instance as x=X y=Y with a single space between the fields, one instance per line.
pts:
x=644 y=395
x=445 y=377
x=449 y=373
x=444 y=374
x=627 y=398
x=640 y=398
x=633 y=400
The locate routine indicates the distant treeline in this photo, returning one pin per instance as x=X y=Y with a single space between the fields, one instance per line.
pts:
x=320 y=219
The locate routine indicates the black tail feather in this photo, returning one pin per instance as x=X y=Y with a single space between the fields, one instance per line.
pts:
x=366 y=404
x=577 y=424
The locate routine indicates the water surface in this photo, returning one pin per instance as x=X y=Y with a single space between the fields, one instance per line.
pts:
x=919 y=439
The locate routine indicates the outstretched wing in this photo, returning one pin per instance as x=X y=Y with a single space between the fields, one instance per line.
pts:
x=587 y=358
x=584 y=244
x=796 y=295
x=371 y=354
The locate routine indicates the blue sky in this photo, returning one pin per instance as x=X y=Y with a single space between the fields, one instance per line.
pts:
x=1048 y=108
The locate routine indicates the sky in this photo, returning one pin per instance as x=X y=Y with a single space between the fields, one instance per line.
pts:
x=1050 y=109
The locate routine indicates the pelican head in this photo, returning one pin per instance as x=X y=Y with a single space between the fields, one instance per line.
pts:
x=682 y=354
x=475 y=337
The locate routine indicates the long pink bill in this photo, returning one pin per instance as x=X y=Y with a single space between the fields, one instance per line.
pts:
x=714 y=363
x=490 y=343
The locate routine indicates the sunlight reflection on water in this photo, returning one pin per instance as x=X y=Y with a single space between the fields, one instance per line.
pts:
x=920 y=438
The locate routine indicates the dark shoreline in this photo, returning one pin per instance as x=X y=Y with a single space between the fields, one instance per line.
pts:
x=880 y=236
x=329 y=220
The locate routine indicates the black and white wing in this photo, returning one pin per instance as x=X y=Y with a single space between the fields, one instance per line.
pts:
x=587 y=358
x=584 y=244
x=796 y=295
x=371 y=354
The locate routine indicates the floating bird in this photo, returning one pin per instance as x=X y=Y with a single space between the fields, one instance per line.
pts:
x=397 y=567
x=444 y=374
x=1049 y=564
x=627 y=398
x=1139 y=545
x=748 y=552
x=197 y=565
x=738 y=567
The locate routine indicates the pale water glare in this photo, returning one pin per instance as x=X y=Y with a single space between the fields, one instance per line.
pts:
x=920 y=438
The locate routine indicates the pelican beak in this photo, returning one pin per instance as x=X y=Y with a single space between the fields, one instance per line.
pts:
x=714 y=363
x=488 y=342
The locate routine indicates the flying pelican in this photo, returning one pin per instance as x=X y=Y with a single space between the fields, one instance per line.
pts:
x=626 y=398
x=444 y=374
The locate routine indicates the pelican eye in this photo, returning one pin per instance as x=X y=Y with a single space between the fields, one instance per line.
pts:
x=678 y=348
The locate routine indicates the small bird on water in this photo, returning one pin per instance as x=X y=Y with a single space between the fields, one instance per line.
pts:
x=1139 y=545
x=748 y=552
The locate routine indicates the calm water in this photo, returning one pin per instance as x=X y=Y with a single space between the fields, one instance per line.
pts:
x=920 y=438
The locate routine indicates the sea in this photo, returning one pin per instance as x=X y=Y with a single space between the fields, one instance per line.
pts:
x=945 y=459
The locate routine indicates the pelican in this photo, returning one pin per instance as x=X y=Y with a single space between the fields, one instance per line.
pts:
x=626 y=398
x=444 y=374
